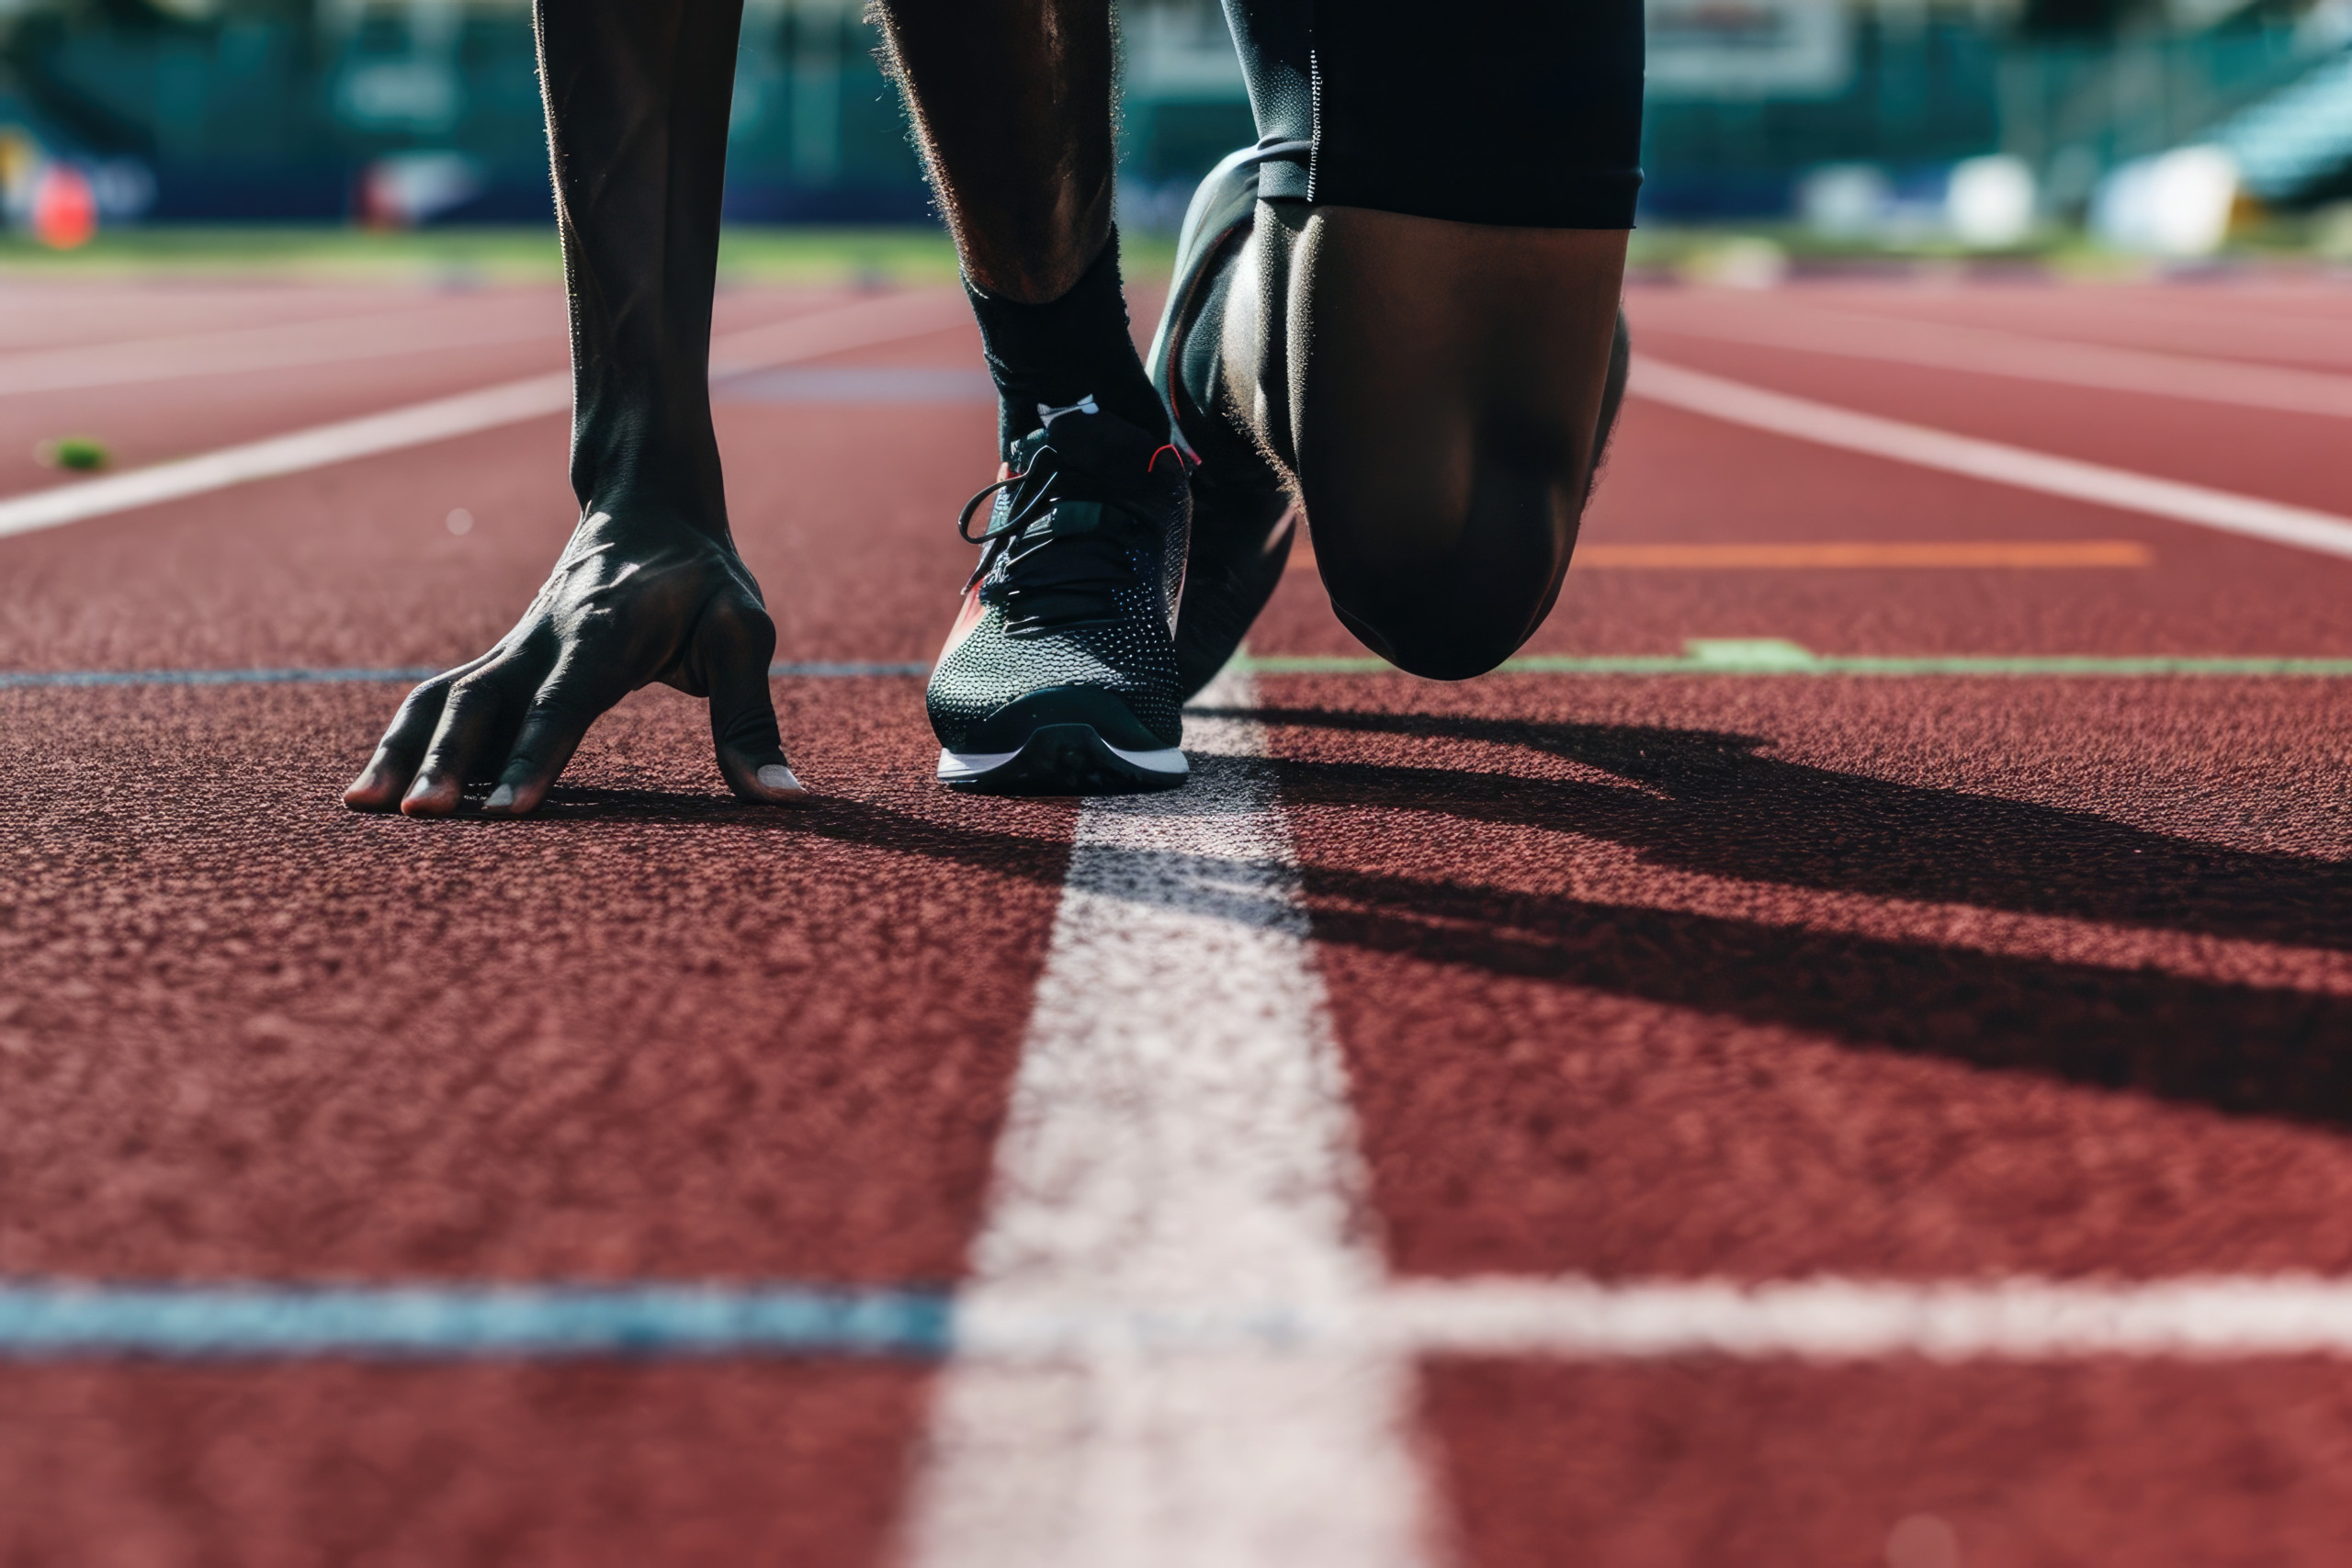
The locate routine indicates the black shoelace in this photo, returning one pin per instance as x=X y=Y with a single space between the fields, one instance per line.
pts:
x=1065 y=553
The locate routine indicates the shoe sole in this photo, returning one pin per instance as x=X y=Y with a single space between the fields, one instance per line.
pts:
x=1063 y=759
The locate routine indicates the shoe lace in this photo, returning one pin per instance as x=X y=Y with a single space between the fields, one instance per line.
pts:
x=1063 y=543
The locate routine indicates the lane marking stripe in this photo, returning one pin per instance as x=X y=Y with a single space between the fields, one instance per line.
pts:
x=1178 y=1145
x=467 y=1320
x=2084 y=667
x=1844 y=1319
x=1845 y=555
x=860 y=325
x=2215 y=1316
x=1737 y=403
x=1833 y=555
x=1990 y=352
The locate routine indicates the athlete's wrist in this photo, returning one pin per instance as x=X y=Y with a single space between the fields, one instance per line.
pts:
x=637 y=525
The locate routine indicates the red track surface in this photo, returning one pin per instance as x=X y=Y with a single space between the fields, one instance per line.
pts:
x=1743 y=977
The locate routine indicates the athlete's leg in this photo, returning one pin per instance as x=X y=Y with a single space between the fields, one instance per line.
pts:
x=1058 y=676
x=650 y=587
x=1439 y=405
x=1011 y=105
x=1012 y=100
x=1420 y=322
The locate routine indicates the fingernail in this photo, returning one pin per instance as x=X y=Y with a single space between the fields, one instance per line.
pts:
x=501 y=799
x=778 y=777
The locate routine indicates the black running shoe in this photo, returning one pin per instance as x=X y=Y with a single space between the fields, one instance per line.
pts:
x=1059 y=675
x=1243 y=520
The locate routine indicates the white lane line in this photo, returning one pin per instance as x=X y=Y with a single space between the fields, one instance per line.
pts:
x=314 y=449
x=1739 y=403
x=2020 y=1319
x=280 y=346
x=2186 y=1317
x=860 y=325
x=1179 y=1149
x=1987 y=352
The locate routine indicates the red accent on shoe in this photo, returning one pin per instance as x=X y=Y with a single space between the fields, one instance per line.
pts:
x=967 y=615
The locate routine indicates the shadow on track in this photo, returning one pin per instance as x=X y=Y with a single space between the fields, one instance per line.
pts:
x=1711 y=803
x=839 y=818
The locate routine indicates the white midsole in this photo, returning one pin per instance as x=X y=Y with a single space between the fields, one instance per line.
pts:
x=954 y=767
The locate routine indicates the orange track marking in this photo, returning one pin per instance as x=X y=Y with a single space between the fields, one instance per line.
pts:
x=1839 y=553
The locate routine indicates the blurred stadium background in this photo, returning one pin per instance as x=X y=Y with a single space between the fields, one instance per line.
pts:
x=2177 y=127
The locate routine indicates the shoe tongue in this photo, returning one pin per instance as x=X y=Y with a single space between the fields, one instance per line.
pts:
x=1101 y=446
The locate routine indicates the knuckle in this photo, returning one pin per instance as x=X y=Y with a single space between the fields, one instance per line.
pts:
x=476 y=690
x=423 y=696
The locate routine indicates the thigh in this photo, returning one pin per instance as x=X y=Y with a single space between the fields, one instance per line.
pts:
x=1446 y=384
x=1445 y=387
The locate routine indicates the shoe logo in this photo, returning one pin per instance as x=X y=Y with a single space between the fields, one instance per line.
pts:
x=1083 y=405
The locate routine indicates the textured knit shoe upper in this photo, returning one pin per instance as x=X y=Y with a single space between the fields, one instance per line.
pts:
x=1068 y=617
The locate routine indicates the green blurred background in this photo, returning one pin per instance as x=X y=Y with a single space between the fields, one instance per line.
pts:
x=221 y=131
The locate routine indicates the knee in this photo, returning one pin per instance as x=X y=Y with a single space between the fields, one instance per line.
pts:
x=1450 y=587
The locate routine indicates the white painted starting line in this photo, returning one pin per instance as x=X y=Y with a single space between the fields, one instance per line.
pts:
x=1179 y=1153
x=1738 y=403
x=860 y=325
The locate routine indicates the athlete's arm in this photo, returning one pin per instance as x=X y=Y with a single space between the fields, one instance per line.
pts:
x=650 y=587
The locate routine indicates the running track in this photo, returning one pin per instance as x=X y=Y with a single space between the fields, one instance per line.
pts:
x=1841 y=1058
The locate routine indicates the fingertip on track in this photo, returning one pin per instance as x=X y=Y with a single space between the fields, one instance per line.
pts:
x=505 y=802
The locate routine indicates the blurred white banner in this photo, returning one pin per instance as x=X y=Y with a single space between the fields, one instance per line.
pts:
x=1749 y=49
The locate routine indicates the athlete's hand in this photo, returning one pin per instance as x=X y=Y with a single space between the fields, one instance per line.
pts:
x=623 y=608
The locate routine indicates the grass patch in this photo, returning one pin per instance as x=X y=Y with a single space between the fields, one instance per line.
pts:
x=913 y=255
x=810 y=256
x=76 y=454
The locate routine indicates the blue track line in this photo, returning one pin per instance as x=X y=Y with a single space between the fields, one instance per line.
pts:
x=444 y=1322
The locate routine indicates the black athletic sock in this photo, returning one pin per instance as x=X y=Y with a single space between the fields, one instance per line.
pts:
x=1067 y=349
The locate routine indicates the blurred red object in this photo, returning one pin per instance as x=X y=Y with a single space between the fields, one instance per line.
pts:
x=65 y=210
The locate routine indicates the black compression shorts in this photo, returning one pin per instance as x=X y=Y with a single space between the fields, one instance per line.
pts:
x=1521 y=112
